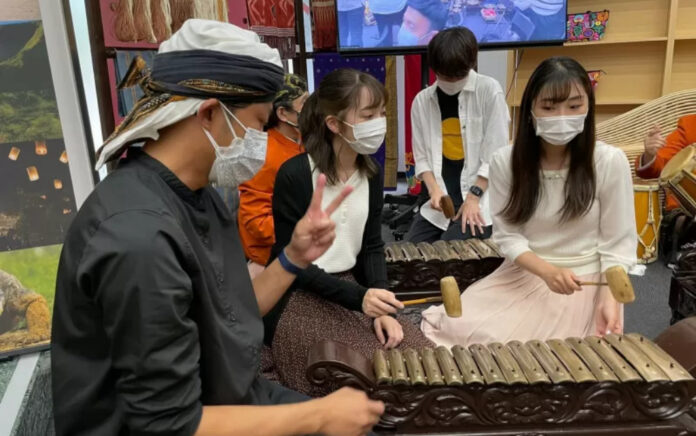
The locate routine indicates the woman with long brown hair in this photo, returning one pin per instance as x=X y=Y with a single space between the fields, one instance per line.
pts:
x=563 y=214
x=343 y=295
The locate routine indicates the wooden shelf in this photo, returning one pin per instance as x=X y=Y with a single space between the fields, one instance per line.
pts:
x=633 y=76
x=684 y=66
x=629 y=19
x=616 y=41
x=604 y=112
x=622 y=102
x=609 y=103
x=686 y=19
x=649 y=49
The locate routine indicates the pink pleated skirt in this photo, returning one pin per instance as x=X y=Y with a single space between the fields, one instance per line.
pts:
x=514 y=304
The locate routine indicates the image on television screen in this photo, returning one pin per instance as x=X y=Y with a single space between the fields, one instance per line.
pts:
x=411 y=24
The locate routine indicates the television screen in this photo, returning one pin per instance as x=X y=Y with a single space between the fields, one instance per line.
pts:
x=408 y=25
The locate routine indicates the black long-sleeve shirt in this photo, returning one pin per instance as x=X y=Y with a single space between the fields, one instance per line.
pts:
x=292 y=195
x=155 y=314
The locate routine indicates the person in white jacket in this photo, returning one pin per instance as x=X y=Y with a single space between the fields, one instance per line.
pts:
x=457 y=123
x=563 y=214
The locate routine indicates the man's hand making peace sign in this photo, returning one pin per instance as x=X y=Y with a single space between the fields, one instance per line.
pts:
x=314 y=233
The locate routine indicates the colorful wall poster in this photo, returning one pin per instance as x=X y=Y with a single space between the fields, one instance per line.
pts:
x=37 y=202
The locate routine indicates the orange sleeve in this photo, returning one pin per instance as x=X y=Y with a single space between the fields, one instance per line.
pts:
x=683 y=136
x=256 y=215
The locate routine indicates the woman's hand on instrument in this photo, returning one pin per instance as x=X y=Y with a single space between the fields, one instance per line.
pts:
x=379 y=302
x=314 y=232
x=561 y=281
x=347 y=412
x=608 y=314
x=392 y=328
x=653 y=142
x=470 y=213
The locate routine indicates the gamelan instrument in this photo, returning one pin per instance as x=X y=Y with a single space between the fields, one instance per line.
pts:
x=678 y=175
x=619 y=384
x=646 y=198
x=451 y=298
x=415 y=270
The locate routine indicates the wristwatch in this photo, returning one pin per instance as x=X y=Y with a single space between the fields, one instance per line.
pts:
x=476 y=191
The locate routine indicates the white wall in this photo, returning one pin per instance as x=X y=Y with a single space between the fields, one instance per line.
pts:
x=494 y=64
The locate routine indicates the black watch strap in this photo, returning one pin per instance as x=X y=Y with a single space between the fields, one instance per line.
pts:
x=476 y=191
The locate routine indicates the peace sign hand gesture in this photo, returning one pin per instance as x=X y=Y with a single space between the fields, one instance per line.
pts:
x=315 y=232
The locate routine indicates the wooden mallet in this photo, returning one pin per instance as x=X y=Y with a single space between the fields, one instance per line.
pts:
x=447 y=206
x=619 y=284
x=450 y=298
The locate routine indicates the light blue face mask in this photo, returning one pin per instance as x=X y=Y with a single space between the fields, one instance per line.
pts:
x=407 y=38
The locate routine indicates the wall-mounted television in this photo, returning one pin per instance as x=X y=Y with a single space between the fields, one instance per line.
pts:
x=406 y=26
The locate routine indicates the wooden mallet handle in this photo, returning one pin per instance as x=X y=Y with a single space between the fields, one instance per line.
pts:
x=422 y=301
x=593 y=284
x=450 y=297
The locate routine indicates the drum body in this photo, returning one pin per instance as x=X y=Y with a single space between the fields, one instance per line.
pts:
x=684 y=188
x=646 y=197
x=678 y=176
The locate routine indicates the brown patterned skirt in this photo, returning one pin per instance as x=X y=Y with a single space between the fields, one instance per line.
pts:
x=308 y=319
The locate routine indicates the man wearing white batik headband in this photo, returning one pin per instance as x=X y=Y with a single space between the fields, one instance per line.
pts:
x=157 y=326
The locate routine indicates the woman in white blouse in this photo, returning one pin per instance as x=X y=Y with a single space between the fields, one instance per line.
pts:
x=563 y=213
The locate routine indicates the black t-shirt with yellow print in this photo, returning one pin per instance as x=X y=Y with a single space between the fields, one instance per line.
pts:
x=453 y=153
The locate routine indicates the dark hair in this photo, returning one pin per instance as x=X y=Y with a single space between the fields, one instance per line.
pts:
x=556 y=78
x=292 y=89
x=433 y=10
x=453 y=52
x=337 y=93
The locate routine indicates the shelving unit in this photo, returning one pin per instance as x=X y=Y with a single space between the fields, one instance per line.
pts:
x=649 y=50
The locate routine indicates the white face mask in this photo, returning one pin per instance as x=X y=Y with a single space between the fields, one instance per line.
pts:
x=242 y=159
x=290 y=123
x=560 y=130
x=451 y=88
x=369 y=135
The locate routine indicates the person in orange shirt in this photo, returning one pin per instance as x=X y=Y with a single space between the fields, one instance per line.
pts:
x=659 y=150
x=255 y=215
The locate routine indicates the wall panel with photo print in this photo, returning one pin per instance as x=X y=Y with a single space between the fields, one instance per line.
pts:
x=37 y=202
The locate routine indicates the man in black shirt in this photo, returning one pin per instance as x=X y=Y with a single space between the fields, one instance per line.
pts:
x=157 y=327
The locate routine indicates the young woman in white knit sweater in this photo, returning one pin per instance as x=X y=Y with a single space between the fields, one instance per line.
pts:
x=563 y=214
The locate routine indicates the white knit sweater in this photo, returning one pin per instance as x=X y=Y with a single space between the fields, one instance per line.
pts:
x=350 y=219
x=606 y=236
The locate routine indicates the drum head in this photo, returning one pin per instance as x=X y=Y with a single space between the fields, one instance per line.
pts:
x=677 y=163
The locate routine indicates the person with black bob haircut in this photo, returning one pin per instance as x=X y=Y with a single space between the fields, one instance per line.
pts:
x=563 y=214
x=458 y=123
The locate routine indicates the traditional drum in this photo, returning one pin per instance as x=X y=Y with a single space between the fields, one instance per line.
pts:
x=415 y=270
x=678 y=176
x=620 y=384
x=646 y=197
